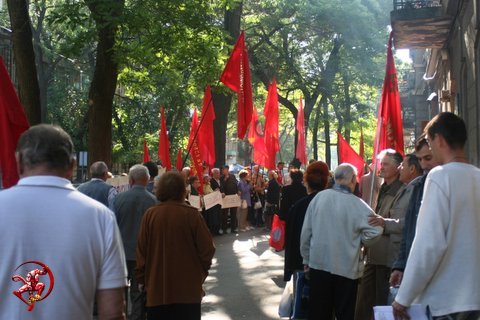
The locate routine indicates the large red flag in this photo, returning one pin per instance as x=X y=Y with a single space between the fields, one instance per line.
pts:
x=236 y=76
x=271 y=125
x=257 y=140
x=146 y=154
x=13 y=123
x=301 y=151
x=389 y=133
x=163 y=143
x=205 y=133
x=195 y=151
x=347 y=154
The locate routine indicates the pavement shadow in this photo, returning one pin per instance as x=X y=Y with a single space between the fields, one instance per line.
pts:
x=238 y=284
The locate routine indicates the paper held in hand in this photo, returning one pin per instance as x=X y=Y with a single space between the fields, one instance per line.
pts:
x=212 y=199
x=231 y=201
x=416 y=312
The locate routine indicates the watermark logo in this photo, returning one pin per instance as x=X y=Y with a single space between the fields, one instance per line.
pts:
x=31 y=284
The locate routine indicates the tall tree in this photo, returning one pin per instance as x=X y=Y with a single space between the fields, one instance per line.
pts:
x=221 y=100
x=106 y=14
x=29 y=90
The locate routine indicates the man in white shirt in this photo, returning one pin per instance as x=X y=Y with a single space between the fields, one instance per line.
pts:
x=45 y=221
x=442 y=268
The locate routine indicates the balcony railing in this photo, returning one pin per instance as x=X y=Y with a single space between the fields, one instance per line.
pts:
x=406 y=4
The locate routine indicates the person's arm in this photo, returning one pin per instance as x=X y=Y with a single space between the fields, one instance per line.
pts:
x=111 y=304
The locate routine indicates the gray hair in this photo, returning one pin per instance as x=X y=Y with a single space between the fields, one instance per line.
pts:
x=345 y=173
x=45 y=144
x=138 y=172
x=394 y=156
x=98 y=169
x=215 y=170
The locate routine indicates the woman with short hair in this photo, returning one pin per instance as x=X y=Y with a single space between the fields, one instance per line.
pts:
x=174 y=253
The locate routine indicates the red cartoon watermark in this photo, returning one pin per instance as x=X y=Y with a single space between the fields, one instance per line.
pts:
x=32 y=284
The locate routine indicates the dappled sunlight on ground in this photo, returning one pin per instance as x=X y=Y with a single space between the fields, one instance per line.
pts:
x=245 y=281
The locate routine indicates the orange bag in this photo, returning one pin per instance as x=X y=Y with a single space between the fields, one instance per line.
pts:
x=277 y=235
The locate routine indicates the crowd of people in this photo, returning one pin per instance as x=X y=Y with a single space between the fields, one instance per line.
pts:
x=413 y=226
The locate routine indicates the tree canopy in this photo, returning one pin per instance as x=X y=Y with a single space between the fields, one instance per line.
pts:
x=149 y=53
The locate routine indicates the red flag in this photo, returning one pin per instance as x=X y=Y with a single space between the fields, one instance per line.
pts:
x=163 y=143
x=389 y=133
x=347 y=154
x=271 y=125
x=195 y=152
x=362 y=145
x=13 y=123
x=257 y=140
x=301 y=152
x=205 y=133
x=179 y=162
x=146 y=154
x=236 y=76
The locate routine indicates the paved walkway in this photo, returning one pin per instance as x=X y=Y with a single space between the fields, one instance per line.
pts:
x=246 y=278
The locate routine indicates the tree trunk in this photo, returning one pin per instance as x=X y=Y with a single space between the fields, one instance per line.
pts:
x=104 y=82
x=316 y=125
x=28 y=87
x=326 y=128
x=221 y=101
x=44 y=71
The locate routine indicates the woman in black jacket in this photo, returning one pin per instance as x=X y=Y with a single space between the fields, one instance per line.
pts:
x=316 y=179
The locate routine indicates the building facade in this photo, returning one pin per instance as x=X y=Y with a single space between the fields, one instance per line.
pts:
x=444 y=41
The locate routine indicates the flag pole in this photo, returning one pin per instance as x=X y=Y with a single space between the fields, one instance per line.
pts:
x=377 y=145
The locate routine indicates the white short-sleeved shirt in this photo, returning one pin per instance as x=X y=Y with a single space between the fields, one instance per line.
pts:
x=45 y=219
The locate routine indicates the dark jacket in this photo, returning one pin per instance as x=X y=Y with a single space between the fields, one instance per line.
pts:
x=410 y=224
x=130 y=206
x=293 y=230
x=273 y=192
x=229 y=184
x=96 y=189
x=291 y=194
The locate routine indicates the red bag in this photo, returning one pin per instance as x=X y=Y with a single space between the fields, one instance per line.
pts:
x=277 y=235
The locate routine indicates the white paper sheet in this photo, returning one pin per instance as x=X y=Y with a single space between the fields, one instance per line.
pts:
x=416 y=312
x=231 y=201
x=212 y=199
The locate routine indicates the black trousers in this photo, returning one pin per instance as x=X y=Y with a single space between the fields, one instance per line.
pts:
x=330 y=295
x=175 y=312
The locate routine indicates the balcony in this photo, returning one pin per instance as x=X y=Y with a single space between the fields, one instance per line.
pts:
x=419 y=24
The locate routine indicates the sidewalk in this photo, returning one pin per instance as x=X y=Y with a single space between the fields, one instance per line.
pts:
x=246 y=278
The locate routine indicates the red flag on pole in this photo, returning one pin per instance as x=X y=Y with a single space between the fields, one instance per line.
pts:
x=389 y=133
x=13 y=123
x=179 y=161
x=347 y=154
x=205 y=133
x=146 y=154
x=271 y=125
x=257 y=140
x=195 y=153
x=362 y=145
x=163 y=143
x=301 y=151
x=236 y=76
